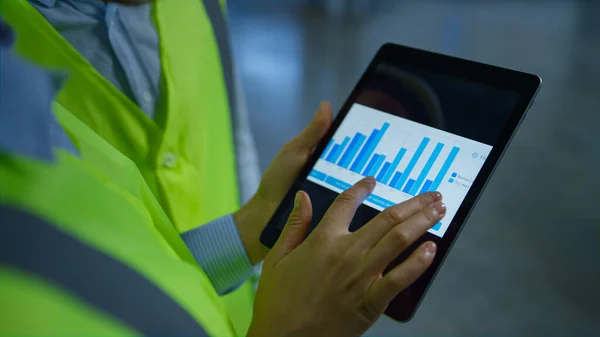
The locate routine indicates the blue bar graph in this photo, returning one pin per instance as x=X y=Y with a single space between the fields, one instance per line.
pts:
x=369 y=147
x=332 y=153
x=426 y=186
x=377 y=165
x=444 y=170
x=395 y=179
x=337 y=151
x=370 y=166
x=357 y=153
x=393 y=167
x=326 y=149
x=412 y=163
x=426 y=169
x=409 y=184
x=383 y=172
x=355 y=165
x=350 y=153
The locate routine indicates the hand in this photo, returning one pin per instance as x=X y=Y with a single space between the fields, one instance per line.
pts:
x=332 y=284
x=252 y=218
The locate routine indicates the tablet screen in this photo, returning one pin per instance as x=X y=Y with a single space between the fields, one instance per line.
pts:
x=414 y=131
x=406 y=158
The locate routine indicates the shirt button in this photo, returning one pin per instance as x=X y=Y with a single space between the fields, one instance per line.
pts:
x=169 y=159
x=147 y=96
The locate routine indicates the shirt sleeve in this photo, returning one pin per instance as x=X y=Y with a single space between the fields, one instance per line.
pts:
x=27 y=125
x=218 y=249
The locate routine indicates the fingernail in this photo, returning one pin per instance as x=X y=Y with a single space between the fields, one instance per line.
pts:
x=370 y=180
x=430 y=249
x=439 y=208
x=432 y=197
x=297 y=199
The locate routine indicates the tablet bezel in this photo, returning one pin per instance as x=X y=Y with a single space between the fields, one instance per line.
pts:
x=403 y=307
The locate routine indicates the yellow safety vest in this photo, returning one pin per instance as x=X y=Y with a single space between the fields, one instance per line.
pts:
x=188 y=163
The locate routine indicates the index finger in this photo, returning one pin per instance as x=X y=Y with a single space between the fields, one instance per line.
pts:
x=369 y=234
x=342 y=210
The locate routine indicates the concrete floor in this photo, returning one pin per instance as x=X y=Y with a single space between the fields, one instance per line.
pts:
x=527 y=262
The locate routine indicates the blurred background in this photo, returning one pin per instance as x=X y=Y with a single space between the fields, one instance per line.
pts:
x=528 y=260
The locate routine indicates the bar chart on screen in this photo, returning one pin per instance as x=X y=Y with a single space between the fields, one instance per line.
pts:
x=406 y=158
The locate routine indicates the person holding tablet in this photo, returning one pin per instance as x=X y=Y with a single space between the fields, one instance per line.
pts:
x=103 y=189
x=86 y=249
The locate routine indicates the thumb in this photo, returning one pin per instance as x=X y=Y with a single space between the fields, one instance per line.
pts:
x=295 y=228
x=316 y=130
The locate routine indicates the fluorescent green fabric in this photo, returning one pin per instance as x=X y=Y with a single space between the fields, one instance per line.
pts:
x=124 y=221
x=201 y=184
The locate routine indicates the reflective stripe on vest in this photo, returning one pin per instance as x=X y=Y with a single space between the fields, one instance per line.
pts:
x=36 y=247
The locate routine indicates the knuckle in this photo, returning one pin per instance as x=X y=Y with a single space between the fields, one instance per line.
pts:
x=294 y=219
x=397 y=282
x=394 y=215
x=347 y=197
x=400 y=237
x=319 y=238
x=373 y=309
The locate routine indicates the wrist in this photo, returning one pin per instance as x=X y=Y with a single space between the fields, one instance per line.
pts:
x=250 y=220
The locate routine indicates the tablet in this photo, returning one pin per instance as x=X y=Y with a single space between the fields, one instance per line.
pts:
x=417 y=121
